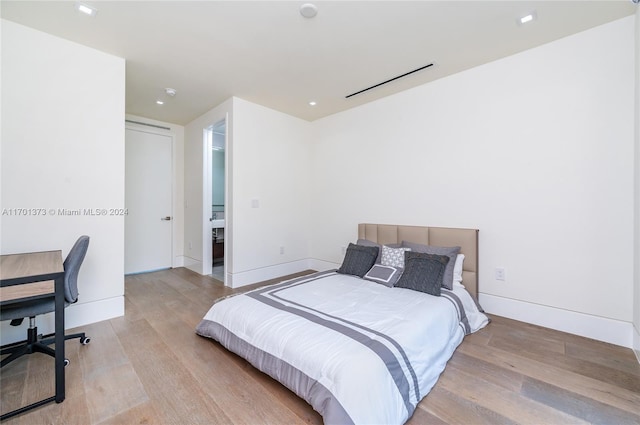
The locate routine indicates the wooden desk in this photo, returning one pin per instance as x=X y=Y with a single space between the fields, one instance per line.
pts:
x=31 y=276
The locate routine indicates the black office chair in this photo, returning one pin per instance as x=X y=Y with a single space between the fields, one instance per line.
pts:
x=17 y=312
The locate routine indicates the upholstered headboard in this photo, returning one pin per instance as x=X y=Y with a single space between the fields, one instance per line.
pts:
x=466 y=239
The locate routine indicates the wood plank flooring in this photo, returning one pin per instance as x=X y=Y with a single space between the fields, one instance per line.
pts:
x=149 y=367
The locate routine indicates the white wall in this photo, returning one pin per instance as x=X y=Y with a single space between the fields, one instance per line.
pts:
x=271 y=166
x=535 y=150
x=636 y=303
x=195 y=210
x=63 y=148
x=176 y=132
x=267 y=161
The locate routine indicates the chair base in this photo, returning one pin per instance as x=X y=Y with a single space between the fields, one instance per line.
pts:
x=36 y=344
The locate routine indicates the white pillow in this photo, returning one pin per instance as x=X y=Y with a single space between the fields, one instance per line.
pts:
x=393 y=257
x=457 y=269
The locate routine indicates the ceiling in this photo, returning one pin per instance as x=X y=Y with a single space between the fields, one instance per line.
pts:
x=266 y=52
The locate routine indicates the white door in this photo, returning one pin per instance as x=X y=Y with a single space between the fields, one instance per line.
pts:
x=148 y=225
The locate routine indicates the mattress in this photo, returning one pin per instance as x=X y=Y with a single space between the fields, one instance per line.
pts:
x=357 y=351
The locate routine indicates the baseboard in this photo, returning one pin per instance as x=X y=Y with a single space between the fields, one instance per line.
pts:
x=236 y=280
x=178 y=261
x=76 y=315
x=192 y=264
x=321 y=265
x=84 y=314
x=636 y=342
x=599 y=328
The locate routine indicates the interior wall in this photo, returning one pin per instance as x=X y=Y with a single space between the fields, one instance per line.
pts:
x=535 y=150
x=195 y=210
x=63 y=161
x=271 y=193
x=177 y=133
x=636 y=303
x=267 y=198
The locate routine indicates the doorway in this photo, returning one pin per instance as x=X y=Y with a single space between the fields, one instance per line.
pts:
x=148 y=201
x=217 y=140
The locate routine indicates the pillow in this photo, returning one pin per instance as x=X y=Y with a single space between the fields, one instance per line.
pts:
x=358 y=259
x=385 y=275
x=457 y=269
x=423 y=272
x=451 y=252
x=366 y=242
x=393 y=256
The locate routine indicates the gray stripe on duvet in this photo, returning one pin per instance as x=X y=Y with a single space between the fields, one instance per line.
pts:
x=392 y=341
x=296 y=280
x=457 y=303
x=293 y=282
x=381 y=350
x=394 y=366
x=305 y=387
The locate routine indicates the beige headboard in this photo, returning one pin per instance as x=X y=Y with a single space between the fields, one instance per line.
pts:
x=466 y=239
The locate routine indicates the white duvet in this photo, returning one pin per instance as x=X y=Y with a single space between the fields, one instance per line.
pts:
x=357 y=351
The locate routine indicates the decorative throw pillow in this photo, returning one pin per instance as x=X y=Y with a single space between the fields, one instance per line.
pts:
x=423 y=272
x=451 y=252
x=393 y=256
x=385 y=275
x=366 y=242
x=358 y=259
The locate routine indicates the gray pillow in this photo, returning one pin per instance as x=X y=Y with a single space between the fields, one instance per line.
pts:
x=366 y=242
x=385 y=275
x=358 y=259
x=451 y=252
x=423 y=272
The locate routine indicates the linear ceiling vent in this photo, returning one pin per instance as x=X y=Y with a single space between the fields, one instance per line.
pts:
x=388 y=81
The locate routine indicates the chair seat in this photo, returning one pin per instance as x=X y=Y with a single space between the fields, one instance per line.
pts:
x=28 y=309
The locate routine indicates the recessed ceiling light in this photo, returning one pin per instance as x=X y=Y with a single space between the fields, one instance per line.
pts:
x=313 y=103
x=170 y=92
x=308 y=10
x=86 y=9
x=526 y=19
x=529 y=17
x=160 y=102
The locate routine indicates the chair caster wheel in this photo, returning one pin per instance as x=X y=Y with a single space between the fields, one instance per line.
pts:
x=85 y=340
x=66 y=362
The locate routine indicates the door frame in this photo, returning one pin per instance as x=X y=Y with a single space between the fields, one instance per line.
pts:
x=207 y=248
x=162 y=131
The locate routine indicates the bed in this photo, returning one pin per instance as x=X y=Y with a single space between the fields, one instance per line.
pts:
x=358 y=348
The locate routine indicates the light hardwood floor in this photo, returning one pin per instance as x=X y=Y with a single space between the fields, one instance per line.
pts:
x=149 y=367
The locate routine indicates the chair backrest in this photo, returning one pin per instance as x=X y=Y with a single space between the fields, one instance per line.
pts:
x=72 y=266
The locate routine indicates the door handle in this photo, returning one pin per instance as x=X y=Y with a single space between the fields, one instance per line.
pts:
x=167 y=218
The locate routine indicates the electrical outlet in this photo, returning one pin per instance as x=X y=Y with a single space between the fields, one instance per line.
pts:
x=343 y=250
x=501 y=273
x=190 y=245
x=281 y=250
